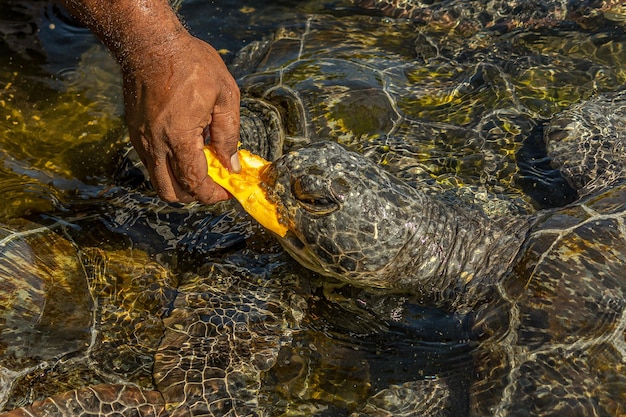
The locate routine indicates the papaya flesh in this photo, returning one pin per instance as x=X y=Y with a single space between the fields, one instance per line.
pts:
x=245 y=186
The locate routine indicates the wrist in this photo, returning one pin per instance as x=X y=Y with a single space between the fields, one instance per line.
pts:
x=151 y=43
x=136 y=32
x=148 y=55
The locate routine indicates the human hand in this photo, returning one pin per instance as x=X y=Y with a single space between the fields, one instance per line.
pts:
x=174 y=95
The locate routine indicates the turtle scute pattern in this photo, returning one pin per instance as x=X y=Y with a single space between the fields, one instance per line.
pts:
x=568 y=289
x=502 y=15
x=565 y=304
x=211 y=335
x=107 y=399
x=444 y=111
x=326 y=77
x=46 y=310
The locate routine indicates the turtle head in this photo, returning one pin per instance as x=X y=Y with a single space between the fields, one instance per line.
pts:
x=346 y=216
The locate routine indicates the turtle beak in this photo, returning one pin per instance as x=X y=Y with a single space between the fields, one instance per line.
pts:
x=292 y=241
x=269 y=182
x=298 y=250
x=269 y=175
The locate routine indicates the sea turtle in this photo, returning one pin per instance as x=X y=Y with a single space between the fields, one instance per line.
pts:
x=547 y=293
x=448 y=117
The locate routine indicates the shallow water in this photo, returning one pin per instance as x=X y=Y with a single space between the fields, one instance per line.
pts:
x=62 y=163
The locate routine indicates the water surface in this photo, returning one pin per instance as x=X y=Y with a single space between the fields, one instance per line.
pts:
x=63 y=147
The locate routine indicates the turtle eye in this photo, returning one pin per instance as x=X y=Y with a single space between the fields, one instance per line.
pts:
x=314 y=195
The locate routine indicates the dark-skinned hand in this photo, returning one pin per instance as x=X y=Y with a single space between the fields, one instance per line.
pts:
x=169 y=110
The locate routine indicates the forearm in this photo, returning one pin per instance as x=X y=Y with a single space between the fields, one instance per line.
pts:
x=175 y=86
x=133 y=30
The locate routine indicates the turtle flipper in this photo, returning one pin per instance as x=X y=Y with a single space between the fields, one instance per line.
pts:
x=261 y=131
x=103 y=400
x=588 y=143
x=224 y=331
x=427 y=397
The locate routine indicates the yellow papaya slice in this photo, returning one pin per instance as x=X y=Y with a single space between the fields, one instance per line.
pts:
x=245 y=186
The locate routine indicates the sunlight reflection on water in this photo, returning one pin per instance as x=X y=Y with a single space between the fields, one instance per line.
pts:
x=62 y=147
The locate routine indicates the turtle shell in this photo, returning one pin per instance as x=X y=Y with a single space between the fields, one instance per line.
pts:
x=46 y=305
x=75 y=316
x=356 y=81
x=555 y=335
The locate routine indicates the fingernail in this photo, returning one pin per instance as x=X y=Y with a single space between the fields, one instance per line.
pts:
x=234 y=162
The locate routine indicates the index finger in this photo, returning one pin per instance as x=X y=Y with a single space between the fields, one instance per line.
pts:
x=224 y=128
